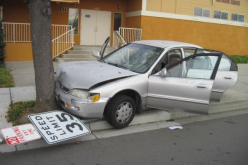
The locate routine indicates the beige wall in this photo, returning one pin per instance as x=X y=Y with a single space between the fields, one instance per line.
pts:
x=186 y=7
x=229 y=39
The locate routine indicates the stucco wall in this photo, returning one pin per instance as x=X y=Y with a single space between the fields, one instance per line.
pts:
x=19 y=52
x=186 y=7
x=230 y=39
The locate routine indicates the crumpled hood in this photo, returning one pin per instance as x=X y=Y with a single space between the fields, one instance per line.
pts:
x=85 y=74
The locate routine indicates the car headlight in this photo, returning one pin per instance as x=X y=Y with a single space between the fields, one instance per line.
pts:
x=91 y=97
x=79 y=93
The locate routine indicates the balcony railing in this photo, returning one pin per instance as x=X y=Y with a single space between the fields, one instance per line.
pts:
x=20 y=32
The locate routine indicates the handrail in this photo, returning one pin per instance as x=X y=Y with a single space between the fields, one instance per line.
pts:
x=118 y=41
x=20 y=32
x=130 y=34
x=62 y=43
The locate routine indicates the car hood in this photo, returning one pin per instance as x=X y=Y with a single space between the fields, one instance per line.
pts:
x=85 y=74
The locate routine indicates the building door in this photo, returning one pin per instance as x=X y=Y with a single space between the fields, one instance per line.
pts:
x=95 y=26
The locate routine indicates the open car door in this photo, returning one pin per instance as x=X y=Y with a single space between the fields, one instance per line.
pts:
x=227 y=74
x=104 y=46
x=187 y=85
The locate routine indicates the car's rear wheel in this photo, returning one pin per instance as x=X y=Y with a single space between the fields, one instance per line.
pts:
x=120 y=111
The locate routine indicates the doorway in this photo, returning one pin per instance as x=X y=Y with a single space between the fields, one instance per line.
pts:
x=95 y=26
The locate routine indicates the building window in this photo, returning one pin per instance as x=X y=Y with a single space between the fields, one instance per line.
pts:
x=201 y=12
x=117 y=20
x=237 y=17
x=73 y=19
x=221 y=15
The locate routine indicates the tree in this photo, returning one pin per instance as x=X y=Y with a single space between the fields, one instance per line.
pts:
x=2 y=46
x=40 y=14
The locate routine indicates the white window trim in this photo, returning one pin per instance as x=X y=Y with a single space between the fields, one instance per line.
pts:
x=201 y=12
x=185 y=17
x=242 y=15
x=237 y=17
x=221 y=15
x=224 y=12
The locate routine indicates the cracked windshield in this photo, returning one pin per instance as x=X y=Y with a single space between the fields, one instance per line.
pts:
x=134 y=57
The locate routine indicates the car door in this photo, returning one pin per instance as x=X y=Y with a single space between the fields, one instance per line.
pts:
x=187 y=85
x=226 y=77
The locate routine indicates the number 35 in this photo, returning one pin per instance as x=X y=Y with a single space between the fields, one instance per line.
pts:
x=69 y=127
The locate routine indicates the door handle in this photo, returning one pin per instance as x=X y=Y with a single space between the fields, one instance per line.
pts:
x=201 y=86
x=227 y=78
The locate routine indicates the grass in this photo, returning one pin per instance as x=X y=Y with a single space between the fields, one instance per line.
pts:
x=18 y=109
x=6 y=79
x=239 y=59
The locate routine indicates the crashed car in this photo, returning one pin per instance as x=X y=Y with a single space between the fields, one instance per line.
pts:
x=156 y=74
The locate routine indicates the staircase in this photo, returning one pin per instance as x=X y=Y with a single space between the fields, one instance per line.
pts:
x=82 y=53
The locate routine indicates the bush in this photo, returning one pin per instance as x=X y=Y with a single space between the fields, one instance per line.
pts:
x=239 y=59
x=18 y=109
x=2 y=46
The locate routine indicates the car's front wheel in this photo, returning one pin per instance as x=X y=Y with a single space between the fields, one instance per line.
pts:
x=120 y=111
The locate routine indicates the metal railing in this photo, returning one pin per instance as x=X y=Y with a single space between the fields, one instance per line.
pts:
x=130 y=34
x=20 y=32
x=118 y=41
x=62 y=43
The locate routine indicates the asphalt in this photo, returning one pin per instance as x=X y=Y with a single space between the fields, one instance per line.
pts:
x=234 y=101
x=221 y=141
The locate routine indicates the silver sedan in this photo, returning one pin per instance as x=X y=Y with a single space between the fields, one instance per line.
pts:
x=158 y=74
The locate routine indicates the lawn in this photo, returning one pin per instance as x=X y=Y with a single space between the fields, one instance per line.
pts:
x=18 y=109
x=240 y=59
x=6 y=79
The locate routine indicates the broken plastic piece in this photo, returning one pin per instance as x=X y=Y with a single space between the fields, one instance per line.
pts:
x=176 y=127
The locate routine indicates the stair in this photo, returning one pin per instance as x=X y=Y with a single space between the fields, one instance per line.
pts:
x=82 y=53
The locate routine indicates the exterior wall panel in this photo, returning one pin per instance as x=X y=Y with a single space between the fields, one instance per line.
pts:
x=18 y=52
x=134 y=5
x=186 y=7
x=230 y=39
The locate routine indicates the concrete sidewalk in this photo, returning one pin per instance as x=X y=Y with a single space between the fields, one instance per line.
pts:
x=23 y=72
x=234 y=99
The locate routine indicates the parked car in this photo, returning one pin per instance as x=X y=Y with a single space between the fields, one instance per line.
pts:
x=158 y=74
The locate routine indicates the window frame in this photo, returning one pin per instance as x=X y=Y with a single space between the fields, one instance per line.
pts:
x=201 y=12
x=76 y=34
x=237 y=17
x=221 y=14
x=114 y=19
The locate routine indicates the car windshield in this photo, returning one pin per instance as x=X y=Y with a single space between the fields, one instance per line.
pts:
x=134 y=57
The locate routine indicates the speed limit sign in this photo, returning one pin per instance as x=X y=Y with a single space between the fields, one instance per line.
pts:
x=57 y=126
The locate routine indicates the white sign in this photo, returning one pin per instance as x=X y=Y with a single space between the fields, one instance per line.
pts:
x=20 y=134
x=57 y=126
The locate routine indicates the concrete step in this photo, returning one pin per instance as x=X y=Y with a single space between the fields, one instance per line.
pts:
x=91 y=49
x=74 y=59
x=84 y=52
x=77 y=56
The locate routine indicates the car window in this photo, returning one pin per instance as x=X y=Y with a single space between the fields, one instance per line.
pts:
x=199 y=67
x=225 y=63
x=134 y=57
x=170 y=57
x=188 y=52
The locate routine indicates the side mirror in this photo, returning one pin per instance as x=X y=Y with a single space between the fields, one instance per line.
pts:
x=96 y=54
x=163 y=72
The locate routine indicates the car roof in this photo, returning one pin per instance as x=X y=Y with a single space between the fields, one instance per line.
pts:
x=165 y=43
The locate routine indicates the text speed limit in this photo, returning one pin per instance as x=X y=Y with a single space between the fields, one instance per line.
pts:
x=57 y=126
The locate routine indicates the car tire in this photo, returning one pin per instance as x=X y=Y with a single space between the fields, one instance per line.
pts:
x=120 y=111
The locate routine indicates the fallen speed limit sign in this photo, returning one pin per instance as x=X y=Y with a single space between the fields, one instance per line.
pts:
x=57 y=126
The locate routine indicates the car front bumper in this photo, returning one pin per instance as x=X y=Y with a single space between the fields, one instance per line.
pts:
x=80 y=107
